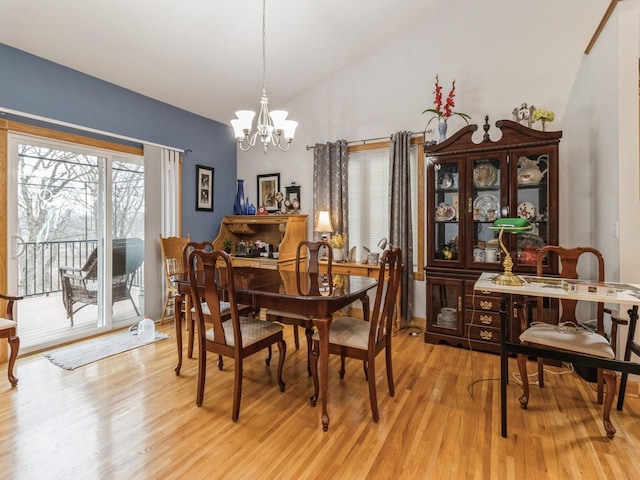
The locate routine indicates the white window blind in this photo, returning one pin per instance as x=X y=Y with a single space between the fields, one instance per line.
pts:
x=369 y=199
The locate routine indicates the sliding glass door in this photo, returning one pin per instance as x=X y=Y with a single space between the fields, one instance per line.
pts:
x=76 y=236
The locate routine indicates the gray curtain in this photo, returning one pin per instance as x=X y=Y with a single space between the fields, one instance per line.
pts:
x=330 y=184
x=400 y=225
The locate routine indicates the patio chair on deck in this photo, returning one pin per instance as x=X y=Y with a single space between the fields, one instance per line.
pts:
x=80 y=285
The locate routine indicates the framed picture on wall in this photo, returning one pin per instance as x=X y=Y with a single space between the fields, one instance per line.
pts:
x=204 y=188
x=268 y=186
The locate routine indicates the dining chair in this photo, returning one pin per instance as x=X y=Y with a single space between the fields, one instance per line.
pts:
x=307 y=262
x=237 y=338
x=8 y=330
x=171 y=249
x=569 y=334
x=225 y=309
x=364 y=339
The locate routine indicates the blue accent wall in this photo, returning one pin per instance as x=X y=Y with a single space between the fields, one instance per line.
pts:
x=39 y=87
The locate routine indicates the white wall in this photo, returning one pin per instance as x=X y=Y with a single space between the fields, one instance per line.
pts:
x=500 y=52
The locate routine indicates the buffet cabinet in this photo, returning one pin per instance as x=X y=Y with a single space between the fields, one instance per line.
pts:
x=469 y=185
x=262 y=241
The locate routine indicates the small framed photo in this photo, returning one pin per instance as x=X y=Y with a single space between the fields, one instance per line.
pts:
x=292 y=198
x=268 y=186
x=204 y=188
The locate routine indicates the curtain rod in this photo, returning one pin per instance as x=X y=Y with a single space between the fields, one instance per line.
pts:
x=369 y=140
x=4 y=110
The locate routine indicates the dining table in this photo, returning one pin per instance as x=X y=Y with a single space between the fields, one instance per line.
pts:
x=319 y=296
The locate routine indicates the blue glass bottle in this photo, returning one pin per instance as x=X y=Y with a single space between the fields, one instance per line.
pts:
x=238 y=204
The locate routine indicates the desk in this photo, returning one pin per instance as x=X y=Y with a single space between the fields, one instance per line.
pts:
x=624 y=297
x=278 y=290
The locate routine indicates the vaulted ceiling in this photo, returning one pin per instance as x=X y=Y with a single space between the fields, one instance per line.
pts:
x=205 y=56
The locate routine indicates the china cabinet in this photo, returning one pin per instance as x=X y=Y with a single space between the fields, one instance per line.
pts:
x=469 y=186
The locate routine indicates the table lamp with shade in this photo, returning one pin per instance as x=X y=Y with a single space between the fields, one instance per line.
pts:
x=324 y=227
x=509 y=225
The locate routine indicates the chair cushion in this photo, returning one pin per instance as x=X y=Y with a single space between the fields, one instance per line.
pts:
x=568 y=337
x=6 y=324
x=349 y=332
x=252 y=331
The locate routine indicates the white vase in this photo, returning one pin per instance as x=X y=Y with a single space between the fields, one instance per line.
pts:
x=338 y=254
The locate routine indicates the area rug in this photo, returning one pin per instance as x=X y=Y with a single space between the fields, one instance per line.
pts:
x=83 y=353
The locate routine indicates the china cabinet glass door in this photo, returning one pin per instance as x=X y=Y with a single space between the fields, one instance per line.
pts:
x=488 y=182
x=531 y=201
x=448 y=183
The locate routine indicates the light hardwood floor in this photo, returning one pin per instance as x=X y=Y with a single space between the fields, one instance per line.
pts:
x=131 y=417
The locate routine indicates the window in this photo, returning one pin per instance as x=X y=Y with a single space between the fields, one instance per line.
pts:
x=368 y=184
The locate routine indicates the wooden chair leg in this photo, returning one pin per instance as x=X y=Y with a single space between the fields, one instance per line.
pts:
x=14 y=342
x=342 y=370
x=282 y=347
x=296 y=337
x=373 y=398
x=314 y=374
x=202 y=373
x=392 y=388
x=308 y=332
x=610 y=380
x=269 y=354
x=540 y=373
x=164 y=309
x=600 y=385
x=522 y=367
x=237 y=390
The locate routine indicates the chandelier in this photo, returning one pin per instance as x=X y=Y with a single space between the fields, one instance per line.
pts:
x=272 y=128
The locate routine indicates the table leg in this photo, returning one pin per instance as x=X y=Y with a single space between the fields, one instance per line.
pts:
x=177 y=309
x=504 y=369
x=323 y=324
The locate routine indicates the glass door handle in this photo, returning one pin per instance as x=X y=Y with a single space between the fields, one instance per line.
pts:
x=17 y=241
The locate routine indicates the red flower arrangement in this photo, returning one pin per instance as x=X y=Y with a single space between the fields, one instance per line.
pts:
x=443 y=113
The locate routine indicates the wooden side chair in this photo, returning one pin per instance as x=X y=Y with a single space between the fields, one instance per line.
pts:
x=8 y=330
x=171 y=248
x=310 y=250
x=225 y=309
x=362 y=339
x=568 y=335
x=238 y=338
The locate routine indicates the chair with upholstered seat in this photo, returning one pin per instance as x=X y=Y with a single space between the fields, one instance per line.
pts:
x=364 y=340
x=171 y=248
x=225 y=309
x=237 y=338
x=8 y=331
x=568 y=334
x=310 y=250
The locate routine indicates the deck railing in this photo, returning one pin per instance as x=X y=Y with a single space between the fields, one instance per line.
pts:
x=40 y=263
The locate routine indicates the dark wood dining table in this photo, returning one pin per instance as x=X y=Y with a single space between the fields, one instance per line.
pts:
x=285 y=290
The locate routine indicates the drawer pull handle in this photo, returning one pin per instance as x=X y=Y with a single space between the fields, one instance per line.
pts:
x=486 y=305
x=485 y=319
x=486 y=335
x=485 y=292
x=459 y=304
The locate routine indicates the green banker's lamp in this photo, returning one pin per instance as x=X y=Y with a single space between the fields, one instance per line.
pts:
x=509 y=225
